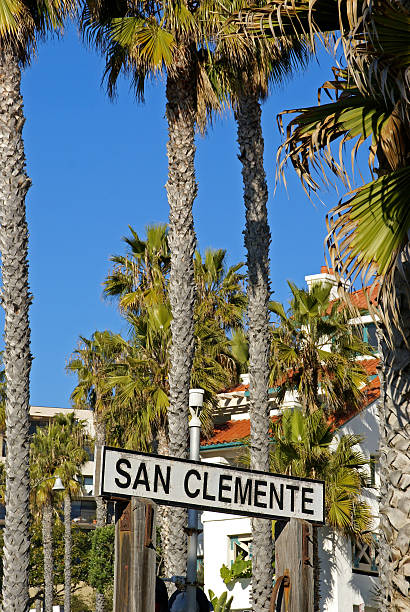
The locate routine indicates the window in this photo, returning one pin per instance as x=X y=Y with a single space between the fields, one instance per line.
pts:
x=87 y=483
x=369 y=335
x=240 y=545
x=365 y=557
x=373 y=469
x=83 y=511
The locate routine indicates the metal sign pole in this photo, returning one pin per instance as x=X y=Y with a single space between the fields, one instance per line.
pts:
x=196 y=398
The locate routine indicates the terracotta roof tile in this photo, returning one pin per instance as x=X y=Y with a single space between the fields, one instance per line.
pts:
x=370 y=365
x=237 y=431
x=360 y=298
x=231 y=431
x=240 y=387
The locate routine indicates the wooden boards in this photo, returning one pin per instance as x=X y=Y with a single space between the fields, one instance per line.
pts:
x=294 y=555
x=134 y=584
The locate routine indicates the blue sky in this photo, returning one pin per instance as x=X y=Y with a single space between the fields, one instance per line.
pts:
x=99 y=166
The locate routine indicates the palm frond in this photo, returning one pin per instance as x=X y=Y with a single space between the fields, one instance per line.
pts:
x=367 y=232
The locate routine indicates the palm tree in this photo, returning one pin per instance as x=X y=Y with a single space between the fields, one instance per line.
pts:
x=45 y=459
x=73 y=456
x=21 y=22
x=139 y=413
x=91 y=361
x=219 y=291
x=144 y=39
x=315 y=350
x=369 y=233
x=140 y=277
x=307 y=447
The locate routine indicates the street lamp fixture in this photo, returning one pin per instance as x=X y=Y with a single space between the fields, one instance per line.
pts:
x=58 y=485
x=196 y=401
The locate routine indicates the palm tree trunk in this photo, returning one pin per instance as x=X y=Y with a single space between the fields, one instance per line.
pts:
x=181 y=189
x=316 y=568
x=14 y=185
x=257 y=241
x=101 y=506
x=163 y=515
x=48 y=557
x=67 y=552
x=395 y=445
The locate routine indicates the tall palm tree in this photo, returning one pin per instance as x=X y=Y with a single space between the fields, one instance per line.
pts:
x=242 y=72
x=368 y=234
x=21 y=22
x=74 y=440
x=370 y=231
x=144 y=39
x=315 y=350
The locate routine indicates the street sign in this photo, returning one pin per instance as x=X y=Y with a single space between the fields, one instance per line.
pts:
x=208 y=486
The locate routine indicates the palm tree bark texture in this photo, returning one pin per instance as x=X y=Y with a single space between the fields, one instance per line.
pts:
x=48 y=556
x=395 y=444
x=257 y=241
x=67 y=552
x=101 y=506
x=181 y=189
x=14 y=185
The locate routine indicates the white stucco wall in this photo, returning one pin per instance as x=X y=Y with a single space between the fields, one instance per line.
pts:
x=340 y=587
x=342 y=590
x=217 y=529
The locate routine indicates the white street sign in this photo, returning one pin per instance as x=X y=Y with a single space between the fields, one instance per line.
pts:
x=208 y=486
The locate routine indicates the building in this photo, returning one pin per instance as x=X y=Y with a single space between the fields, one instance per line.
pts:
x=83 y=508
x=348 y=572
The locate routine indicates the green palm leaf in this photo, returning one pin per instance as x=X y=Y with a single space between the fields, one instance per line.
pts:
x=14 y=18
x=371 y=228
x=146 y=40
x=311 y=133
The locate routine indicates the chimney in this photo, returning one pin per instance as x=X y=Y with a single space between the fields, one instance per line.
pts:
x=244 y=378
x=327 y=276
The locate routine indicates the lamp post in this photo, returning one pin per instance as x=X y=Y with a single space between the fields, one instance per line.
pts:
x=57 y=486
x=196 y=400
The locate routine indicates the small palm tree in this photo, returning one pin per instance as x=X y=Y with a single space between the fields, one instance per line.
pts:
x=91 y=361
x=315 y=350
x=45 y=459
x=307 y=447
x=74 y=441
x=138 y=412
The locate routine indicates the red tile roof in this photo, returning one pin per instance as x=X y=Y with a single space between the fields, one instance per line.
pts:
x=240 y=387
x=370 y=365
x=231 y=431
x=237 y=431
x=361 y=297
